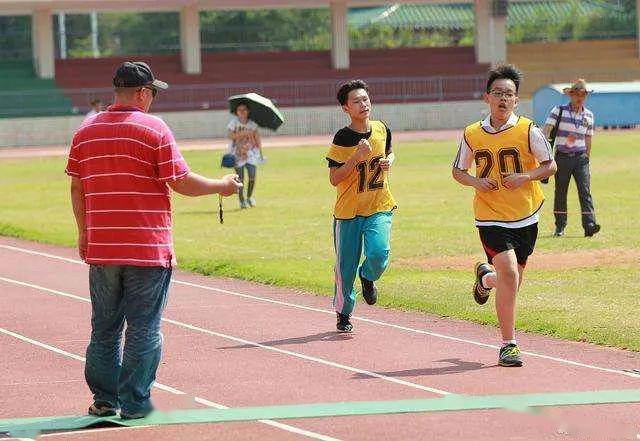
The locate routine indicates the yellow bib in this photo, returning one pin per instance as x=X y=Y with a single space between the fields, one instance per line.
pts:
x=498 y=153
x=366 y=190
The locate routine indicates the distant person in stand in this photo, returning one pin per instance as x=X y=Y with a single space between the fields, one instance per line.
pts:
x=96 y=107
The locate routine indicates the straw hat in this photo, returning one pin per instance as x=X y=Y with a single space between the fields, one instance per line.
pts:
x=579 y=85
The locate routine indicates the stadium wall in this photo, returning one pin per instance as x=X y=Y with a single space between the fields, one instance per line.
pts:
x=18 y=132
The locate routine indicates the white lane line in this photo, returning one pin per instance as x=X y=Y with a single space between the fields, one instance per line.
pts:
x=169 y=388
x=252 y=343
x=268 y=422
x=39 y=383
x=362 y=319
x=408 y=329
x=275 y=424
x=38 y=253
x=310 y=358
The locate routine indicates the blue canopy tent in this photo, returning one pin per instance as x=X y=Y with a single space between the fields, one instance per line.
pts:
x=613 y=104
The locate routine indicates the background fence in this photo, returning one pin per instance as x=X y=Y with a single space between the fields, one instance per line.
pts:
x=214 y=96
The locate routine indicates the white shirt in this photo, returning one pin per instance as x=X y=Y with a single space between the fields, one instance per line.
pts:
x=246 y=150
x=90 y=113
x=539 y=147
x=574 y=127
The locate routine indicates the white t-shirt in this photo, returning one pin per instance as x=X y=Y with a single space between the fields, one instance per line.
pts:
x=246 y=149
x=90 y=113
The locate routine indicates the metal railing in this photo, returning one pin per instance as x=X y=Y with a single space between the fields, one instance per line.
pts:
x=283 y=93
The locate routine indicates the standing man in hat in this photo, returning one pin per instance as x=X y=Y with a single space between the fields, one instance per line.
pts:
x=123 y=165
x=575 y=124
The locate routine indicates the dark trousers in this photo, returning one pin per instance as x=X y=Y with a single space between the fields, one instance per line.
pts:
x=576 y=165
x=251 y=171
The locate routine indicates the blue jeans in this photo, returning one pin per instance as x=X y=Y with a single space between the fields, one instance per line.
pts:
x=135 y=295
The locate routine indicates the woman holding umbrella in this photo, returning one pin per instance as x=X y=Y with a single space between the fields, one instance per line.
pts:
x=250 y=112
x=246 y=146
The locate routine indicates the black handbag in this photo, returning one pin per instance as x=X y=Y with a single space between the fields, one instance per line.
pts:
x=552 y=139
x=228 y=160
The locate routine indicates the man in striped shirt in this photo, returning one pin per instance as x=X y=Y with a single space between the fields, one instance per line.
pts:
x=123 y=165
x=575 y=125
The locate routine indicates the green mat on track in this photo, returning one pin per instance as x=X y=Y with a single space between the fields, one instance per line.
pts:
x=32 y=427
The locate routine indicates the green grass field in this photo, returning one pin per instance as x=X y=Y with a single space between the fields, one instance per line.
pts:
x=287 y=239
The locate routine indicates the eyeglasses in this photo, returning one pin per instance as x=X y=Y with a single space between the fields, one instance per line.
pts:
x=153 y=90
x=503 y=93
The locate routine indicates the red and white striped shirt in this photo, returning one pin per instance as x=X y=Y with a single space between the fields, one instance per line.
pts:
x=124 y=158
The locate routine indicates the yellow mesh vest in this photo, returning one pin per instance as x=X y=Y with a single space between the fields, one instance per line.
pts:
x=366 y=190
x=494 y=154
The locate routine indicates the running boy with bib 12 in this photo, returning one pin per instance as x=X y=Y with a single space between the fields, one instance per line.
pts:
x=359 y=161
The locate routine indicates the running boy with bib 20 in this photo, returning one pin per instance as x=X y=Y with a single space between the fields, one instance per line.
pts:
x=511 y=155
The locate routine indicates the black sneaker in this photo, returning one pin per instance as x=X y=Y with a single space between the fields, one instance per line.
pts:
x=559 y=232
x=101 y=409
x=134 y=416
x=344 y=324
x=591 y=230
x=510 y=356
x=480 y=293
x=369 y=290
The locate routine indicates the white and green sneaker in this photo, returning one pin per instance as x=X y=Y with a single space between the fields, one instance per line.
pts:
x=510 y=356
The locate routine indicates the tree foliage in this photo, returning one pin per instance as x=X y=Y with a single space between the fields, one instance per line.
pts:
x=15 y=38
x=608 y=22
x=294 y=29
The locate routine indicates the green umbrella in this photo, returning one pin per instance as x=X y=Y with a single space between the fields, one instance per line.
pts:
x=261 y=110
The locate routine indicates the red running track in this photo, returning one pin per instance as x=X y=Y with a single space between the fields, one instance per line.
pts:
x=234 y=343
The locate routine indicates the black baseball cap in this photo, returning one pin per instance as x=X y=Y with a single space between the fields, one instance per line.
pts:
x=136 y=74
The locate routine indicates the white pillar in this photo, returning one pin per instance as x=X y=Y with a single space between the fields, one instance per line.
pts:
x=190 y=39
x=42 y=43
x=491 y=35
x=339 y=36
x=499 y=39
x=62 y=32
x=481 y=42
x=94 y=35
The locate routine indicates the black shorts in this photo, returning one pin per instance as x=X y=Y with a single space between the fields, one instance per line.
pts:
x=498 y=239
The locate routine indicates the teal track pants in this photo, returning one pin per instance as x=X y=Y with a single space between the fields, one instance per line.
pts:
x=348 y=238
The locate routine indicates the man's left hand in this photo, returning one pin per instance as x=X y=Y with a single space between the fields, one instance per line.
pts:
x=82 y=245
x=515 y=180
x=385 y=164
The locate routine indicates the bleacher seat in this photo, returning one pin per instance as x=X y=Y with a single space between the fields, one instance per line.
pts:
x=240 y=71
x=26 y=95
